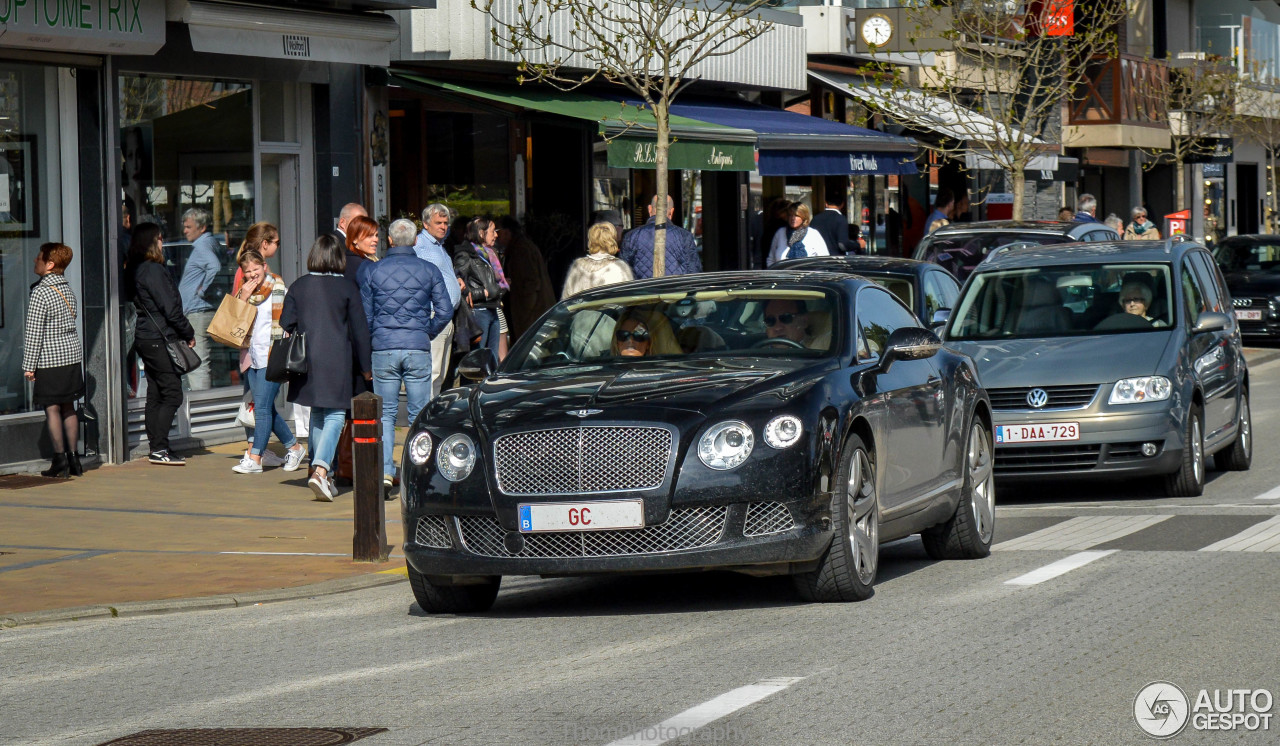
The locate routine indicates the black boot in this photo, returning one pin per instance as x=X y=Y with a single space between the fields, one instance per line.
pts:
x=73 y=464
x=59 y=468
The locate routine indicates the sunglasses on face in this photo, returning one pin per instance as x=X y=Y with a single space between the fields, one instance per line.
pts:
x=1138 y=299
x=639 y=334
x=782 y=318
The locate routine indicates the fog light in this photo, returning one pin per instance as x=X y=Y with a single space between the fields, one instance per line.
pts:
x=513 y=542
x=1148 y=449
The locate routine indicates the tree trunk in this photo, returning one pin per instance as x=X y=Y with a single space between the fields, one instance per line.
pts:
x=661 y=112
x=1182 y=189
x=1271 y=191
x=1018 y=179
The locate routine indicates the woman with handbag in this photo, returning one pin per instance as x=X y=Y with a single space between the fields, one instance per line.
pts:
x=472 y=264
x=52 y=356
x=266 y=291
x=323 y=307
x=161 y=326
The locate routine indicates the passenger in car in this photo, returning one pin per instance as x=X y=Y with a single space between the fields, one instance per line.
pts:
x=642 y=332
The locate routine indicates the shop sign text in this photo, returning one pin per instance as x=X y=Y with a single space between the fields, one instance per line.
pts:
x=115 y=16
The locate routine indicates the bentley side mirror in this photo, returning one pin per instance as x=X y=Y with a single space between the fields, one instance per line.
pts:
x=477 y=365
x=1211 y=321
x=909 y=343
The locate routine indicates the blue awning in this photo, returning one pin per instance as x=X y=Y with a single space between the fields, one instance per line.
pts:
x=791 y=144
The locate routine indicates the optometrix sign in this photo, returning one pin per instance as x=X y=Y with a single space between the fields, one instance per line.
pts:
x=95 y=26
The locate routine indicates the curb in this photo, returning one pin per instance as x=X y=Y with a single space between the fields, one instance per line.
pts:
x=1266 y=357
x=226 y=601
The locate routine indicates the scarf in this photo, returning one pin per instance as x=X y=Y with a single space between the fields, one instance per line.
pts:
x=795 y=243
x=1140 y=228
x=491 y=256
x=272 y=286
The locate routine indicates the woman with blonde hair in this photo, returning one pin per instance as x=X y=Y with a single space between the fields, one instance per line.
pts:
x=795 y=240
x=601 y=266
x=264 y=238
x=644 y=331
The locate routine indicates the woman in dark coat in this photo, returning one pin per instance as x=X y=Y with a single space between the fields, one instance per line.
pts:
x=160 y=320
x=476 y=270
x=325 y=306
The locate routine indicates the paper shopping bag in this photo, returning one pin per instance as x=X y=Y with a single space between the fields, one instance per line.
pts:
x=233 y=322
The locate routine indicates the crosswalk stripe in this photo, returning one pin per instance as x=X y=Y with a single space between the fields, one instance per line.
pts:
x=682 y=725
x=1271 y=494
x=1260 y=537
x=1061 y=567
x=1083 y=532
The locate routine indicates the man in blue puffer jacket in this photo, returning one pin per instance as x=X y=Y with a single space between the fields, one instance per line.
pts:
x=407 y=303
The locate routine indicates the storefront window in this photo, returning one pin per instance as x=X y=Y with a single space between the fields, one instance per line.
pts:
x=610 y=187
x=468 y=162
x=29 y=216
x=189 y=144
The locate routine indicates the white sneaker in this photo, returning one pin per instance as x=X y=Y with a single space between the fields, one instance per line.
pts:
x=322 y=488
x=269 y=459
x=292 y=458
x=247 y=466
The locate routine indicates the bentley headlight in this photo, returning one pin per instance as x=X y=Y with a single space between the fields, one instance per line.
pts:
x=783 y=431
x=1137 y=390
x=456 y=457
x=420 y=448
x=726 y=445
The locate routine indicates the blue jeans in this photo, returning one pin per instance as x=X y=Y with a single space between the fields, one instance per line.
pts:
x=487 y=318
x=266 y=418
x=326 y=428
x=390 y=369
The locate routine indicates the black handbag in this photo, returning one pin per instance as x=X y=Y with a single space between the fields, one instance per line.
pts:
x=184 y=358
x=288 y=357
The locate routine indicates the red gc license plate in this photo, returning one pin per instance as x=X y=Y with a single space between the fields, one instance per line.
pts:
x=1040 y=432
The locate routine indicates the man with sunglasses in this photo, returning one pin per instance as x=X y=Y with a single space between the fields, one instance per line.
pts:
x=788 y=319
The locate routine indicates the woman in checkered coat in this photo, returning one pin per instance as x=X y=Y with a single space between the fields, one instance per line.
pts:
x=51 y=356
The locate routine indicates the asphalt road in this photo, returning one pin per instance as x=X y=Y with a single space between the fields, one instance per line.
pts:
x=1093 y=592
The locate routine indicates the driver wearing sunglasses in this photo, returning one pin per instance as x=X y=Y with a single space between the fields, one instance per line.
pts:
x=788 y=319
x=632 y=338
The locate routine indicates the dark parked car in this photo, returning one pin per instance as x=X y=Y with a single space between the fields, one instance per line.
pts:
x=959 y=247
x=1251 y=267
x=926 y=288
x=1116 y=359
x=768 y=422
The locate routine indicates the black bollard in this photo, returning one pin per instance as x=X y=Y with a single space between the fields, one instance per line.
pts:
x=370 y=542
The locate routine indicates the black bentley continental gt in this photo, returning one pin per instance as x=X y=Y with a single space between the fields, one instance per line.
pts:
x=776 y=422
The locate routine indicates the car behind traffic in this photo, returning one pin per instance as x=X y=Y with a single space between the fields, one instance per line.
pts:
x=959 y=247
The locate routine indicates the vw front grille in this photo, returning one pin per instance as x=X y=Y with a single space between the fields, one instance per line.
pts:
x=433 y=532
x=767 y=518
x=578 y=460
x=1060 y=397
x=686 y=528
x=1079 y=457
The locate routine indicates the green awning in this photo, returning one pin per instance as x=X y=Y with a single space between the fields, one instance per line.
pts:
x=628 y=129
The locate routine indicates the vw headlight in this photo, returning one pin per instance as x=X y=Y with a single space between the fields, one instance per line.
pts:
x=456 y=457
x=783 y=431
x=420 y=448
x=726 y=445
x=1137 y=390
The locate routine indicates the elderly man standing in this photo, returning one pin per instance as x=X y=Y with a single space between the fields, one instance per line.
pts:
x=681 y=253
x=430 y=246
x=407 y=303
x=1086 y=209
x=202 y=267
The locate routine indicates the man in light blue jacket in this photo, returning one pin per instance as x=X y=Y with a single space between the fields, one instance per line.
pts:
x=203 y=265
x=430 y=246
x=407 y=303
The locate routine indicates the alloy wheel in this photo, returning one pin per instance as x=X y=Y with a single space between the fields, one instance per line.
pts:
x=1197 y=452
x=864 y=517
x=982 y=477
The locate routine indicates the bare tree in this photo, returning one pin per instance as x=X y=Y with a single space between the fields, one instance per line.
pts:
x=1000 y=86
x=1201 y=96
x=650 y=47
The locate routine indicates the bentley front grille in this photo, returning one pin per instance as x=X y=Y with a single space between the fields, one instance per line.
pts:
x=767 y=518
x=579 y=460
x=686 y=528
x=433 y=532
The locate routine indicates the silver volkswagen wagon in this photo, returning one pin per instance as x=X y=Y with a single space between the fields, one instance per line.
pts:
x=1107 y=359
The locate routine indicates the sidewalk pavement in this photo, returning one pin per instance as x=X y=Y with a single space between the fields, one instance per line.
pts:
x=146 y=539
x=141 y=538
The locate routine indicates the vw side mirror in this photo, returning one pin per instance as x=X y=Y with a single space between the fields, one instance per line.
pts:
x=1211 y=321
x=940 y=318
x=477 y=365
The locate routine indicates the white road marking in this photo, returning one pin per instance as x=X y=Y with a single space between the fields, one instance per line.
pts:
x=1061 y=567
x=1083 y=532
x=1271 y=494
x=696 y=717
x=1260 y=537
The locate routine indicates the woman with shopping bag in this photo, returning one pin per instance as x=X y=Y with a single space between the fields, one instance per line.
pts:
x=266 y=293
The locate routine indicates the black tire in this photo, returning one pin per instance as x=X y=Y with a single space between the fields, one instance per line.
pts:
x=1239 y=456
x=969 y=531
x=453 y=599
x=1188 y=480
x=847 y=571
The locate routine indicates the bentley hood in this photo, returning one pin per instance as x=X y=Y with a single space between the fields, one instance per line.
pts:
x=628 y=391
x=1065 y=361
